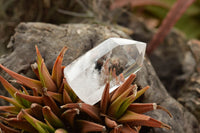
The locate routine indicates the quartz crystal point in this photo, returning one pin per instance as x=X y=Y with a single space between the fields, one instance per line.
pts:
x=88 y=74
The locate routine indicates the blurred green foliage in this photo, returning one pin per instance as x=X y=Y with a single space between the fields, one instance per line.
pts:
x=189 y=23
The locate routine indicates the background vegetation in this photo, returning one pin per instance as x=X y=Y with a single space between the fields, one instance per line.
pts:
x=12 y=12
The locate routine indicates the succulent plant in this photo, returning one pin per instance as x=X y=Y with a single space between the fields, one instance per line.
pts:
x=50 y=105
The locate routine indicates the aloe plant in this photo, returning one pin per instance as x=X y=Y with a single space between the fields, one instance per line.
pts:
x=50 y=105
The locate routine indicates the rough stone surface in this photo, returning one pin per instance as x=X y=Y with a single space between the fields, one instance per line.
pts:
x=50 y=40
x=79 y=38
x=177 y=63
x=189 y=95
x=182 y=121
x=172 y=60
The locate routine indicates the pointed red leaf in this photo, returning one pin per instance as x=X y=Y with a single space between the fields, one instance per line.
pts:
x=44 y=73
x=141 y=120
x=56 y=96
x=20 y=124
x=7 y=129
x=110 y=123
x=12 y=101
x=39 y=56
x=92 y=111
x=145 y=107
x=32 y=99
x=31 y=83
x=57 y=73
x=48 y=101
x=10 y=109
x=66 y=97
x=105 y=99
x=11 y=89
x=37 y=111
x=46 y=78
x=87 y=126
x=69 y=115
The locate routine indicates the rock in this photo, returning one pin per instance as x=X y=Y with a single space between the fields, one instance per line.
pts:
x=189 y=96
x=50 y=40
x=172 y=60
x=182 y=121
x=79 y=38
x=177 y=64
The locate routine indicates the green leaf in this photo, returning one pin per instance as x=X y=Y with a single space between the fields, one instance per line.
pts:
x=140 y=92
x=12 y=101
x=10 y=109
x=70 y=91
x=11 y=89
x=123 y=87
x=52 y=118
x=45 y=77
x=38 y=125
x=115 y=105
x=124 y=106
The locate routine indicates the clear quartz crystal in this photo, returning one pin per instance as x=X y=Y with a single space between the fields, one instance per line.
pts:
x=88 y=74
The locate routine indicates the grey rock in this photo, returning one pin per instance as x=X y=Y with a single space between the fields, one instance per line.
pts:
x=50 y=39
x=173 y=62
x=182 y=121
x=189 y=95
x=79 y=38
x=177 y=64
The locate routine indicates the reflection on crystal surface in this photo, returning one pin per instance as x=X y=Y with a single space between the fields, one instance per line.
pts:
x=87 y=74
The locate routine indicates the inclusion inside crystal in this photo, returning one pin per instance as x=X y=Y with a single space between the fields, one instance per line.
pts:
x=88 y=74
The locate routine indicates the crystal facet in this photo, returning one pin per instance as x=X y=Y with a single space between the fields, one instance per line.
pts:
x=88 y=74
